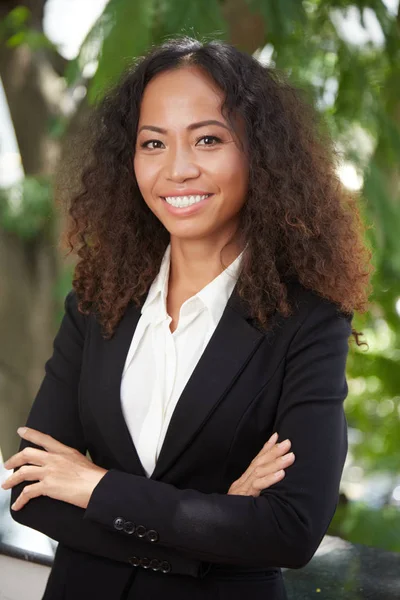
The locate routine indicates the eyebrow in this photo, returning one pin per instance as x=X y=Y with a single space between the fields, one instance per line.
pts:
x=190 y=127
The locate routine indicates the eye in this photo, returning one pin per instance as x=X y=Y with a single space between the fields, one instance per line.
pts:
x=146 y=144
x=213 y=138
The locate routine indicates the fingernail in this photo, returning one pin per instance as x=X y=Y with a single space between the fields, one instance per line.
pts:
x=21 y=430
x=274 y=437
x=13 y=506
x=283 y=443
x=287 y=456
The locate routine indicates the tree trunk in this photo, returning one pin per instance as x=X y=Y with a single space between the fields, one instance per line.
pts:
x=246 y=27
x=28 y=269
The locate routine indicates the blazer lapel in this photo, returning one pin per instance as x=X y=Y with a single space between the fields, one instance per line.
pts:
x=230 y=348
x=106 y=403
x=233 y=343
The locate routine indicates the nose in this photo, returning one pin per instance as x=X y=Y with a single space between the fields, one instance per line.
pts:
x=181 y=165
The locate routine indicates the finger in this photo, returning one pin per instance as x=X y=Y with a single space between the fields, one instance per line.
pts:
x=264 y=482
x=268 y=457
x=277 y=449
x=29 y=492
x=239 y=493
x=29 y=455
x=25 y=473
x=268 y=454
x=281 y=462
x=270 y=443
x=41 y=439
x=269 y=467
x=278 y=463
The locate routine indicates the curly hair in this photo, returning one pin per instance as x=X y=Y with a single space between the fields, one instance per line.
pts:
x=298 y=221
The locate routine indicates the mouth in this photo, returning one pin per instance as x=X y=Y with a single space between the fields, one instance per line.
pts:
x=185 y=201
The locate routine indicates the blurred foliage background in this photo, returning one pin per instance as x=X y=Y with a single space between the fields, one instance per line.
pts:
x=354 y=82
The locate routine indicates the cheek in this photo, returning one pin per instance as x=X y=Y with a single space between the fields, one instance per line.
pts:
x=146 y=174
x=233 y=178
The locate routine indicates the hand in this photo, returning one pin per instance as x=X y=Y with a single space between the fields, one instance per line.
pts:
x=63 y=473
x=265 y=469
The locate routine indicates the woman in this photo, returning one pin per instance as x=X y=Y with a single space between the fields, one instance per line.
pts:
x=220 y=265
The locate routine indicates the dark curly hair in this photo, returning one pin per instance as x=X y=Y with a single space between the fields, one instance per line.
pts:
x=298 y=221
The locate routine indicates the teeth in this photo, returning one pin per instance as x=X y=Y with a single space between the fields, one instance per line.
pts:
x=183 y=201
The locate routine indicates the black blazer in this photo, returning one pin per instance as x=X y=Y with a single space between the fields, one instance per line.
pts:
x=178 y=533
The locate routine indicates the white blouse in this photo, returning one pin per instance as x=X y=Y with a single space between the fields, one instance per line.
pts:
x=159 y=363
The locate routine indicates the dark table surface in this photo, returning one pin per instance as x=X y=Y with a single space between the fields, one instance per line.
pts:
x=344 y=571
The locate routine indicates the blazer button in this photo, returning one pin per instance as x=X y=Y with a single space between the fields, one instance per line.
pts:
x=155 y=564
x=165 y=566
x=141 y=531
x=119 y=523
x=152 y=535
x=145 y=562
x=134 y=560
x=129 y=527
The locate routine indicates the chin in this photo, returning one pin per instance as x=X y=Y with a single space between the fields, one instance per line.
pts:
x=189 y=233
x=186 y=235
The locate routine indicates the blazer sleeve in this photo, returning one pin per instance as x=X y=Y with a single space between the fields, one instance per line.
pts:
x=285 y=524
x=55 y=412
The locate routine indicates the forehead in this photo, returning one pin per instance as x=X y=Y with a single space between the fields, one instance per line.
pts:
x=180 y=93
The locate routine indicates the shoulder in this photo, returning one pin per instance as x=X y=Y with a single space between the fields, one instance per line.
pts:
x=310 y=309
x=305 y=300
x=73 y=314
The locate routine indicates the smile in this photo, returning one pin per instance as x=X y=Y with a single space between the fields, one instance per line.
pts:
x=184 y=201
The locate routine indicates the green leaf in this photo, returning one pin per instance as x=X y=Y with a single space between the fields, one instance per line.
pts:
x=26 y=208
x=37 y=40
x=364 y=525
x=73 y=72
x=16 y=40
x=384 y=213
x=280 y=17
x=122 y=33
x=195 y=19
x=18 y=17
x=14 y=22
x=57 y=126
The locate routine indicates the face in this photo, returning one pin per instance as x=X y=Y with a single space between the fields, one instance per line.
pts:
x=188 y=163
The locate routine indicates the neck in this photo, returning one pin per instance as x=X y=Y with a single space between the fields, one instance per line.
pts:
x=194 y=263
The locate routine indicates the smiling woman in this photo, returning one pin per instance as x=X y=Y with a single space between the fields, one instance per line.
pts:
x=219 y=266
x=194 y=175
